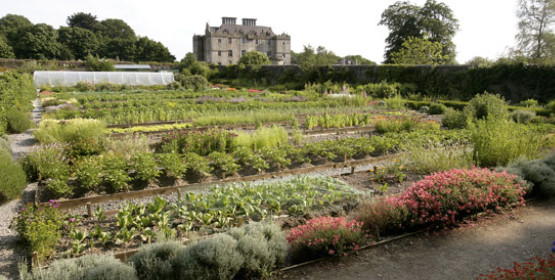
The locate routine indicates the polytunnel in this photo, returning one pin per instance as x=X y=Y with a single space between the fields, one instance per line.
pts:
x=71 y=78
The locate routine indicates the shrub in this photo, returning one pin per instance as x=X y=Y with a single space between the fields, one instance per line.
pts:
x=487 y=105
x=437 y=109
x=5 y=145
x=224 y=162
x=430 y=158
x=246 y=156
x=55 y=188
x=276 y=157
x=155 y=261
x=521 y=116
x=40 y=227
x=18 y=120
x=540 y=173
x=325 y=236
x=266 y=137
x=145 y=167
x=215 y=258
x=173 y=164
x=263 y=247
x=529 y=103
x=551 y=106
x=197 y=166
x=46 y=162
x=395 y=102
x=88 y=173
x=87 y=267
x=128 y=146
x=500 y=142
x=424 y=109
x=455 y=119
x=68 y=131
x=381 y=215
x=537 y=268
x=12 y=177
x=116 y=175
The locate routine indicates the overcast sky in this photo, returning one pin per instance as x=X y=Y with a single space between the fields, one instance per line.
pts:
x=487 y=27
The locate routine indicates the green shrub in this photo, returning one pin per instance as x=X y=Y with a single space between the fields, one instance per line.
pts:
x=46 y=162
x=87 y=267
x=40 y=227
x=173 y=164
x=424 y=109
x=487 y=105
x=276 y=157
x=116 y=175
x=437 y=109
x=395 y=102
x=430 y=158
x=5 y=145
x=128 y=146
x=145 y=167
x=155 y=261
x=455 y=119
x=12 y=177
x=215 y=258
x=266 y=137
x=88 y=173
x=246 y=156
x=69 y=131
x=521 y=116
x=500 y=142
x=224 y=162
x=551 y=107
x=198 y=167
x=55 y=188
x=263 y=247
x=529 y=103
x=18 y=121
x=540 y=173
x=196 y=82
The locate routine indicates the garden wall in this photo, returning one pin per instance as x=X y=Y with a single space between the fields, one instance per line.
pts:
x=513 y=81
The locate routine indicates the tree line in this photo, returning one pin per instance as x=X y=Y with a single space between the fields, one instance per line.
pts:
x=84 y=35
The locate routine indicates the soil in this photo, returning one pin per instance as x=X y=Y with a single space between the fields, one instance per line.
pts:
x=493 y=241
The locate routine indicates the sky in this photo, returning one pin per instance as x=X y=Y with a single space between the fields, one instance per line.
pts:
x=347 y=27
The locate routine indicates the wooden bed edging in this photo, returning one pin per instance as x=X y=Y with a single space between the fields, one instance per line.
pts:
x=80 y=202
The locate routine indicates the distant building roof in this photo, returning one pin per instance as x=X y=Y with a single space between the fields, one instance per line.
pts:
x=132 y=66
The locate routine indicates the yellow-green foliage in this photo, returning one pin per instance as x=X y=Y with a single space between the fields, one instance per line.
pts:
x=149 y=128
x=266 y=137
x=68 y=131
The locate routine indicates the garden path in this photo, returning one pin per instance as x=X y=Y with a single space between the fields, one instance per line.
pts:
x=10 y=255
x=463 y=253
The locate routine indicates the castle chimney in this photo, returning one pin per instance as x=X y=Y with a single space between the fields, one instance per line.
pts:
x=249 y=21
x=229 y=20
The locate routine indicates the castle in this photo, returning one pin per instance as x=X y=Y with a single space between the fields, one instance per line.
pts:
x=224 y=45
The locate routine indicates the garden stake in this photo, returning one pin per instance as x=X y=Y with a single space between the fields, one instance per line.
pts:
x=89 y=210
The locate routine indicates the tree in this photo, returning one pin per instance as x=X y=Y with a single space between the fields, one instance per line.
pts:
x=118 y=49
x=254 y=59
x=310 y=59
x=115 y=29
x=479 y=62
x=38 y=42
x=80 y=41
x=11 y=24
x=6 y=51
x=359 y=60
x=419 y=51
x=82 y=20
x=149 y=50
x=536 y=39
x=434 y=21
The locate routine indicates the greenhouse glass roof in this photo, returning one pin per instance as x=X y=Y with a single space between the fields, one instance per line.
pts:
x=71 y=78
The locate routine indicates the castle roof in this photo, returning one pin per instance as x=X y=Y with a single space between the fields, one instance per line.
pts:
x=230 y=29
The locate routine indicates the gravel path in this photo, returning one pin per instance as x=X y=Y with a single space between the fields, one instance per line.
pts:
x=464 y=253
x=10 y=254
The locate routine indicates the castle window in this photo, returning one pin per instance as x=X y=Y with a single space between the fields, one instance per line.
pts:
x=219 y=63
x=230 y=62
x=243 y=52
x=219 y=53
x=269 y=54
x=256 y=41
x=244 y=40
x=230 y=53
x=283 y=43
x=219 y=40
x=230 y=40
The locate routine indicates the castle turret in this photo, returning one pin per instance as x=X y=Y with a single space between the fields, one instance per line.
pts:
x=249 y=22
x=229 y=20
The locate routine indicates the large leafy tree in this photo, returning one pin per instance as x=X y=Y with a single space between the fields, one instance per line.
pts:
x=419 y=51
x=254 y=59
x=118 y=49
x=310 y=58
x=536 y=39
x=115 y=29
x=10 y=26
x=80 y=41
x=149 y=50
x=434 y=21
x=359 y=60
x=38 y=42
x=6 y=51
x=82 y=20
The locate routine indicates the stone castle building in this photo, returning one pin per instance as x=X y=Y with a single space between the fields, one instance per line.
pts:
x=225 y=44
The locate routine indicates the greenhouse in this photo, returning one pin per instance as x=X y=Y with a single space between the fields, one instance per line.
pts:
x=71 y=78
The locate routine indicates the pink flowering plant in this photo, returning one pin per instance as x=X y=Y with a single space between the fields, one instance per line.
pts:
x=537 y=268
x=443 y=199
x=325 y=236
